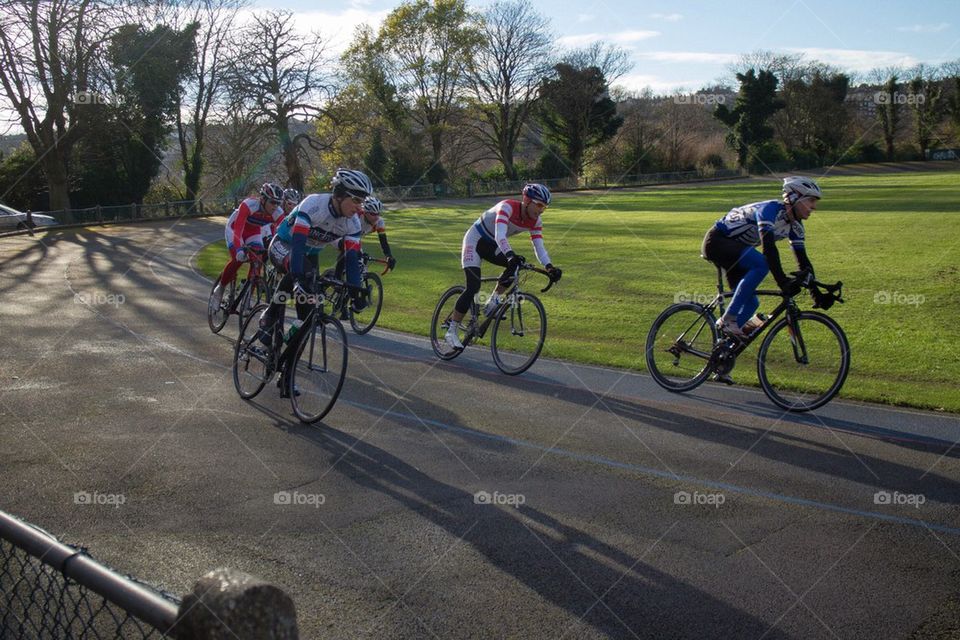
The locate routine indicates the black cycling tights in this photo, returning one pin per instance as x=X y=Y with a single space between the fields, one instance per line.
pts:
x=488 y=251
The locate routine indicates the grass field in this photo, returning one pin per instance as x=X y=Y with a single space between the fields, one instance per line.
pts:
x=893 y=239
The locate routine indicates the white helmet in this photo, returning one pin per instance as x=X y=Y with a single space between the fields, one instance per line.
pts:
x=355 y=183
x=796 y=187
x=372 y=205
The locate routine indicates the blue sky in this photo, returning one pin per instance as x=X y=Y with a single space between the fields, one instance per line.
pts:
x=689 y=43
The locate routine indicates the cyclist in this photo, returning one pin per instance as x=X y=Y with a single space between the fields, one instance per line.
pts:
x=245 y=230
x=371 y=219
x=487 y=239
x=730 y=244
x=320 y=219
x=291 y=197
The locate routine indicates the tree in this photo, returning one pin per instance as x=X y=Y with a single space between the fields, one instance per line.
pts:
x=205 y=84
x=888 y=112
x=613 y=61
x=127 y=128
x=237 y=145
x=47 y=51
x=284 y=77
x=577 y=112
x=426 y=46
x=756 y=102
x=504 y=76
x=924 y=100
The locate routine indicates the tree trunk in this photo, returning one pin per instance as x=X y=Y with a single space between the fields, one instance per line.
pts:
x=59 y=185
x=290 y=158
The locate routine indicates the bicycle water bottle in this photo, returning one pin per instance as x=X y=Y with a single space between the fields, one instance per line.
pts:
x=292 y=331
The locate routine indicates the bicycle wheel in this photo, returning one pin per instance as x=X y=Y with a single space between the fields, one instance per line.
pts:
x=217 y=314
x=362 y=322
x=679 y=345
x=318 y=369
x=519 y=331
x=252 y=360
x=440 y=322
x=803 y=367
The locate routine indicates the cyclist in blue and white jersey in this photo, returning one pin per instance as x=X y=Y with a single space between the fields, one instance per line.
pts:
x=731 y=244
x=319 y=220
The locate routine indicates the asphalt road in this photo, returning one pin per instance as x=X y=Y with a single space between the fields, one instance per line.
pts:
x=618 y=510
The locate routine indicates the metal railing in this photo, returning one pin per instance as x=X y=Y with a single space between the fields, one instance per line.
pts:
x=126 y=212
x=52 y=590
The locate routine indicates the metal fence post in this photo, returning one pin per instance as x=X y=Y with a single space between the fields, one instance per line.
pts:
x=227 y=604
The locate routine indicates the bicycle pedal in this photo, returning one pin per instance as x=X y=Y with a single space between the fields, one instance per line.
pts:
x=724 y=378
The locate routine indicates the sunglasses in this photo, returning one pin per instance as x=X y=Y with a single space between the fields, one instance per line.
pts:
x=356 y=199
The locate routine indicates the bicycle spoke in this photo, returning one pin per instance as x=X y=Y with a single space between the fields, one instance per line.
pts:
x=679 y=345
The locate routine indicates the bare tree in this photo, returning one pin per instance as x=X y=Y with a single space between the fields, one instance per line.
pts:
x=286 y=77
x=206 y=83
x=237 y=148
x=613 y=61
x=505 y=73
x=47 y=49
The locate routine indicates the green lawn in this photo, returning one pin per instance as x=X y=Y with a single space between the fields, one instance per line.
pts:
x=627 y=255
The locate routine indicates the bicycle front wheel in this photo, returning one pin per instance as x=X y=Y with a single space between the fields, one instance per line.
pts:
x=519 y=331
x=250 y=297
x=441 y=321
x=363 y=321
x=319 y=369
x=803 y=366
x=252 y=360
x=217 y=314
x=679 y=345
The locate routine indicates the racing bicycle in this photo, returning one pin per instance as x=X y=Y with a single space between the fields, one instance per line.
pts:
x=519 y=324
x=802 y=363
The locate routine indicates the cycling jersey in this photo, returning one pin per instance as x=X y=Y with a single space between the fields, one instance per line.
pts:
x=503 y=220
x=380 y=226
x=247 y=223
x=770 y=216
x=314 y=224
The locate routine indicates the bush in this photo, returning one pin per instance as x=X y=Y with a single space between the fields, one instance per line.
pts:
x=768 y=156
x=804 y=159
x=866 y=152
x=552 y=164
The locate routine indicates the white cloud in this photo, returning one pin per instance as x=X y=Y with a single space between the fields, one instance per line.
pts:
x=620 y=37
x=585 y=17
x=925 y=28
x=697 y=57
x=669 y=17
x=638 y=81
x=858 y=59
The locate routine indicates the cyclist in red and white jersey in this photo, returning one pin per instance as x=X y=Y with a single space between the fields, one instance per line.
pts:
x=245 y=229
x=371 y=219
x=486 y=239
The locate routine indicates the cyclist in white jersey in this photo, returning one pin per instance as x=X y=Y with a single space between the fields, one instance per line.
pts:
x=486 y=239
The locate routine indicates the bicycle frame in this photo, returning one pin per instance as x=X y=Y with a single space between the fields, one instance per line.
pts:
x=475 y=330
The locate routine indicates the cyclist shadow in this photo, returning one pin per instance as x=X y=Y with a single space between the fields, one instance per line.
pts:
x=784 y=448
x=609 y=588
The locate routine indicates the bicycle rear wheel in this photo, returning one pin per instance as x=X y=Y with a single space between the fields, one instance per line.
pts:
x=803 y=367
x=252 y=360
x=363 y=321
x=319 y=369
x=519 y=331
x=217 y=314
x=679 y=345
x=441 y=320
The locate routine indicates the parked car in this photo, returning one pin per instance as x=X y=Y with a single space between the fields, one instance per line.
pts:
x=11 y=219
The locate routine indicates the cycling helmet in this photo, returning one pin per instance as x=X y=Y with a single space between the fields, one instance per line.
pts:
x=537 y=192
x=271 y=192
x=796 y=187
x=291 y=195
x=355 y=183
x=372 y=205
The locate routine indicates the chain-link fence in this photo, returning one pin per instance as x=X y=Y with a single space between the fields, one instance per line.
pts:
x=52 y=590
